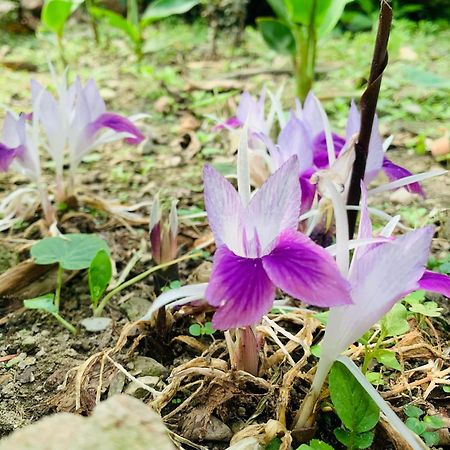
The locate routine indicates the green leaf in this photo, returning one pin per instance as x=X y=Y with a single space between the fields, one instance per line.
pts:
x=431 y=438
x=429 y=309
x=44 y=303
x=416 y=425
x=343 y=436
x=357 y=411
x=315 y=444
x=208 y=329
x=387 y=358
x=100 y=274
x=274 y=444
x=395 y=322
x=161 y=9
x=434 y=421
x=331 y=17
x=116 y=21
x=413 y=411
x=71 y=251
x=55 y=13
x=277 y=35
x=352 y=440
x=375 y=378
x=279 y=8
x=195 y=329
x=415 y=297
x=446 y=389
x=316 y=350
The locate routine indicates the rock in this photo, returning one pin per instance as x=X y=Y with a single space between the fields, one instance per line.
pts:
x=28 y=361
x=249 y=443
x=143 y=365
x=135 y=308
x=96 y=324
x=136 y=390
x=29 y=343
x=217 y=431
x=27 y=376
x=120 y=422
x=117 y=384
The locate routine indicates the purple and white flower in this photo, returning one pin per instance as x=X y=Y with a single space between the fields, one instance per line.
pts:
x=260 y=249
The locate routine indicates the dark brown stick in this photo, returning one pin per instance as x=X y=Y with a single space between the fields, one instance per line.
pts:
x=368 y=106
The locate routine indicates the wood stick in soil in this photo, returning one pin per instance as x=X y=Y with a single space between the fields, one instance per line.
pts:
x=368 y=106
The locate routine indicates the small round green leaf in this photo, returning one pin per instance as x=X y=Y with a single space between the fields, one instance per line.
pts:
x=413 y=411
x=416 y=425
x=44 y=303
x=71 y=251
x=195 y=329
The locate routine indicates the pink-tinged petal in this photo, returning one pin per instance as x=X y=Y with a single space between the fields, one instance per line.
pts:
x=395 y=172
x=295 y=140
x=95 y=102
x=312 y=116
x=276 y=206
x=251 y=112
x=365 y=230
x=224 y=208
x=435 y=282
x=240 y=289
x=51 y=119
x=232 y=122
x=308 y=193
x=119 y=124
x=376 y=152
x=7 y=156
x=319 y=146
x=306 y=271
x=10 y=136
x=379 y=279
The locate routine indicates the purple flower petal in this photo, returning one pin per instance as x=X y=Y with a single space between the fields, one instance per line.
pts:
x=435 y=282
x=295 y=140
x=320 y=148
x=7 y=156
x=224 y=208
x=117 y=123
x=240 y=289
x=395 y=172
x=95 y=102
x=311 y=115
x=306 y=271
x=379 y=278
x=308 y=192
x=276 y=206
x=252 y=112
x=232 y=122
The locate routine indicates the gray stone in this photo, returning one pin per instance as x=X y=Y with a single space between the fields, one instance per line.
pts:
x=29 y=343
x=249 y=443
x=117 y=384
x=135 y=308
x=144 y=365
x=96 y=324
x=119 y=423
x=136 y=390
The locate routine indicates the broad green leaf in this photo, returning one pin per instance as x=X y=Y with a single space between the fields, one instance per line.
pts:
x=429 y=309
x=352 y=440
x=331 y=17
x=44 y=303
x=416 y=425
x=395 y=323
x=100 y=273
x=315 y=444
x=277 y=35
x=415 y=297
x=161 y=9
x=71 y=251
x=55 y=13
x=434 y=421
x=116 y=21
x=413 y=411
x=387 y=358
x=357 y=411
x=274 y=444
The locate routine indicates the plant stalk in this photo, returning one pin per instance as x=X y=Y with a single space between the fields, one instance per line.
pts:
x=59 y=275
x=368 y=106
x=138 y=278
x=64 y=323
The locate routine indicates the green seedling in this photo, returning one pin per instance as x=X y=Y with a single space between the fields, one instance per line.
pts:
x=69 y=252
x=99 y=275
x=423 y=426
x=197 y=329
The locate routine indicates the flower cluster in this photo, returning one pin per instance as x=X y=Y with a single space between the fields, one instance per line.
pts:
x=75 y=122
